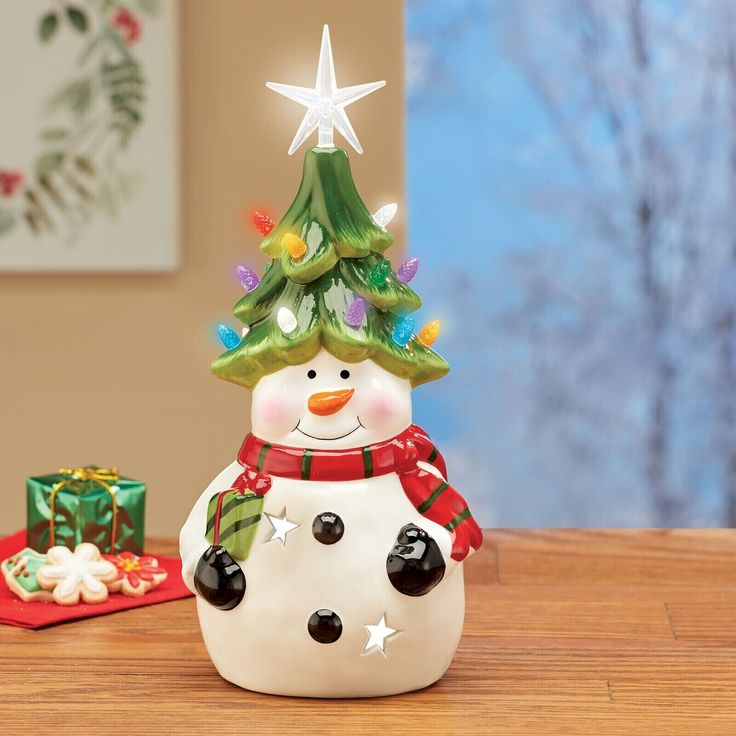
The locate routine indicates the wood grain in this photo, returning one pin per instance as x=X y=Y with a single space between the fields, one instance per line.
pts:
x=567 y=632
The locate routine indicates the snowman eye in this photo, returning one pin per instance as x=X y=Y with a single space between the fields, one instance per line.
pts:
x=311 y=374
x=344 y=373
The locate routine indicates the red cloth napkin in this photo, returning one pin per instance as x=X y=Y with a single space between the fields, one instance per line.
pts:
x=37 y=614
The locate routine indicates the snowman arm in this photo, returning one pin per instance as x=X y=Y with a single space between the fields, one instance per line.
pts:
x=443 y=538
x=192 y=541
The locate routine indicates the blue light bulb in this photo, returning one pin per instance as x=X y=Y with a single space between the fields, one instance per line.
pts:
x=228 y=337
x=403 y=331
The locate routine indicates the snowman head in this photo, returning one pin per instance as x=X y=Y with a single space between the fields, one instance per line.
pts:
x=329 y=404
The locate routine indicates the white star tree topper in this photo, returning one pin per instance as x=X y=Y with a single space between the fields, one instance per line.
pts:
x=325 y=103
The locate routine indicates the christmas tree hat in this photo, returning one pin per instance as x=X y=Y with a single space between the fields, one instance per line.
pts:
x=328 y=284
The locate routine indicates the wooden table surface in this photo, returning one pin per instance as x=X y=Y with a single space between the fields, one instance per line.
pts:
x=567 y=632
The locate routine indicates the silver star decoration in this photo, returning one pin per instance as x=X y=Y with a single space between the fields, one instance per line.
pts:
x=281 y=527
x=377 y=635
x=325 y=103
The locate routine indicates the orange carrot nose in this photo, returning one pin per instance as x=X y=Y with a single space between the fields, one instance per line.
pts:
x=329 y=402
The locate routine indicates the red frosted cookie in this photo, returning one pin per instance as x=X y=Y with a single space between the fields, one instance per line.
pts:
x=135 y=575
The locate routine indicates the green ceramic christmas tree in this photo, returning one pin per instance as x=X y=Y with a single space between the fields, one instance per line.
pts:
x=329 y=285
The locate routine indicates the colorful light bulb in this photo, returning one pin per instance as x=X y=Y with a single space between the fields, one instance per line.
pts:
x=247 y=277
x=385 y=214
x=286 y=320
x=429 y=333
x=263 y=222
x=380 y=272
x=267 y=267
x=355 y=313
x=295 y=245
x=407 y=270
x=229 y=338
x=403 y=331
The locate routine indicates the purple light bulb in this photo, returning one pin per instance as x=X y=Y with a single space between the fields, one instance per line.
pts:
x=407 y=270
x=355 y=313
x=247 y=277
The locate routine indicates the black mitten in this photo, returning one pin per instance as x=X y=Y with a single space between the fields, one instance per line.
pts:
x=415 y=564
x=219 y=579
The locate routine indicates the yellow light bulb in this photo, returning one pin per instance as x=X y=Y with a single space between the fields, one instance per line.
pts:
x=295 y=245
x=429 y=333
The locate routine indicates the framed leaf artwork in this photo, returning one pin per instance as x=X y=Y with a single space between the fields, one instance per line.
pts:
x=88 y=135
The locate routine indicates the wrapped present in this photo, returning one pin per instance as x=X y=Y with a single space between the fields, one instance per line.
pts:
x=232 y=521
x=89 y=504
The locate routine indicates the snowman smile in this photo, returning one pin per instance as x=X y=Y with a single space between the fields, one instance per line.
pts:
x=328 y=439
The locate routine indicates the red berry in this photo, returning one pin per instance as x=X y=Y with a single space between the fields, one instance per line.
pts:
x=10 y=182
x=128 y=25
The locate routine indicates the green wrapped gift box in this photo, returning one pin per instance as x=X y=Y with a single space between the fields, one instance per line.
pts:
x=86 y=505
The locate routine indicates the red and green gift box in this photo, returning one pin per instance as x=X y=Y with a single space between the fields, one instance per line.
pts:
x=88 y=504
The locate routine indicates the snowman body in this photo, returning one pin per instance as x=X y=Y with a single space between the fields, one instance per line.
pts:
x=376 y=637
x=264 y=643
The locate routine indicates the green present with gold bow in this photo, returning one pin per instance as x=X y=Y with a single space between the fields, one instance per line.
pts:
x=88 y=504
x=232 y=521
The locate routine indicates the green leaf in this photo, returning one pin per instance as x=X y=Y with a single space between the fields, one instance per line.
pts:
x=78 y=18
x=110 y=68
x=7 y=221
x=48 y=186
x=78 y=187
x=85 y=165
x=105 y=200
x=127 y=72
x=48 y=163
x=149 y=7
x=125 y=100
x=89 y=48
x=37 y=211
x=124 y=131
x=133 y=115
x=48 y=26
x=83 y=99
x=54 y=134
x=76 y=95
x=32 y=219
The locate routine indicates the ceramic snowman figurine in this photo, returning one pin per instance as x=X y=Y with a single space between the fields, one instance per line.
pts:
x=327 y=560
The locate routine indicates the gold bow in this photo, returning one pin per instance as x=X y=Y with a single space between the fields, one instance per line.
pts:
x=98 y=474
x=102 y=476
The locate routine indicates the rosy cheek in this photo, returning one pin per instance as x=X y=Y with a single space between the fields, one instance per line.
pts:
x=273 y=409
x=380 y=410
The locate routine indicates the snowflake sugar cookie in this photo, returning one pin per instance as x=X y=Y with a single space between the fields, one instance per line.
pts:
x=71 y=575
x=135 y=575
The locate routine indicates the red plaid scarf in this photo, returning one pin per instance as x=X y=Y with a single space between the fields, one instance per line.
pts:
x=430 y=495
